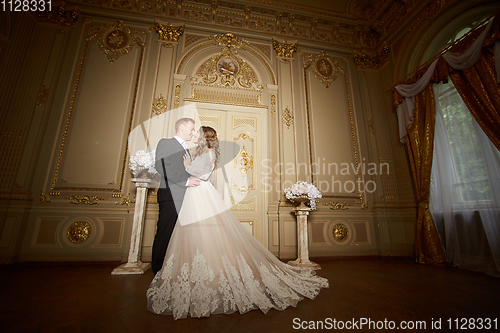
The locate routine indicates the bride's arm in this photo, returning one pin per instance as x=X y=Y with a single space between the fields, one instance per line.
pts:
x=201 y=167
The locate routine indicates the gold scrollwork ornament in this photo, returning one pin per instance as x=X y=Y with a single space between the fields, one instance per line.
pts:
x=287 y=117
x=159 y=105
x=243 y=161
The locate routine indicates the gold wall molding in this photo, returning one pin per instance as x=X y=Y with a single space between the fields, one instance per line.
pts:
x=159 y=105
x=287 y=116
x=273 y=105
x=125 y=201
x=85 y=200
x=371 y=125
x=168 y=33
x=58 y=16
x=338 y=205
x=284 y=50
x=43 y=199
x=43 y=95
x=324 y=68
x=177 y=95
x=117 y=40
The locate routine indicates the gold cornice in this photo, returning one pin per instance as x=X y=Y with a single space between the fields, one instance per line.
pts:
x=346 y=28
x=372 y=61
x=58 y=16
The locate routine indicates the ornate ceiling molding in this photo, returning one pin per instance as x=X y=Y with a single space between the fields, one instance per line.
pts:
x=361 y=24
x=372 y=60
x=58 y=16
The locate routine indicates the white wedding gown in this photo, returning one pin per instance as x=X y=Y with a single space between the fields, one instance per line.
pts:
x=214 y=265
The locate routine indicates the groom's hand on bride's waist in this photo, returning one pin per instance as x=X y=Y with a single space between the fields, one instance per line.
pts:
x=192 y=182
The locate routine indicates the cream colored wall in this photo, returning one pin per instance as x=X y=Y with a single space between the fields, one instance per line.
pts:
x=74 y=143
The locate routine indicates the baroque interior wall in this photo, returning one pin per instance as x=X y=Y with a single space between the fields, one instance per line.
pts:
x=72 y=97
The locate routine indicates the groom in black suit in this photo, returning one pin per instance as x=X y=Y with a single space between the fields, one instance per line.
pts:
x=174 y=181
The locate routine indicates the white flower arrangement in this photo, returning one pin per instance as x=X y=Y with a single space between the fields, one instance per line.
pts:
x=141 y=161
x=303 y=188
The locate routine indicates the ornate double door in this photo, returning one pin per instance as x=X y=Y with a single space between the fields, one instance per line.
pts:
x=241 y=132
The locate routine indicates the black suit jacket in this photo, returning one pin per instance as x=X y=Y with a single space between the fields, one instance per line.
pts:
x=171 y=152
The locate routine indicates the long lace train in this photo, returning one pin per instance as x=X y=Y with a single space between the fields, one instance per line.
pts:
x=216 y=266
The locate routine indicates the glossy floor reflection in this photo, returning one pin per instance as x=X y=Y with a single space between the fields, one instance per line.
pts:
x=85 y=297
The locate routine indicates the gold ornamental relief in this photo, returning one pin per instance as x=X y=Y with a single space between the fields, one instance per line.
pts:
x=116 y=40
x=284 y=50
x=79 y=232
x=340 y=232
x=168 y=33
x=225 y=69
x=324 y=68
x=229 y=41
x=243 y=161
x=159 y=105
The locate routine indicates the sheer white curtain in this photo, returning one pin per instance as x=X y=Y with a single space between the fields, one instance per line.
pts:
x=465 y=190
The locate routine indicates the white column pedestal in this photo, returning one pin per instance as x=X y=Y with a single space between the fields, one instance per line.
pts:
x=134 y=264
x=302 y=260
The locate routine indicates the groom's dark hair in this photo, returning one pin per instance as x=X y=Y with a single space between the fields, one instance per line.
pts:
x=182 y=121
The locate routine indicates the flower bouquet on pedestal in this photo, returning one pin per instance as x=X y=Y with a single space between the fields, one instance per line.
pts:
x=302 y=191
x=142 y=164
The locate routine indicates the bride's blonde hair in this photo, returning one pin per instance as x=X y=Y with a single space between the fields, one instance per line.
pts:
x=208 y=140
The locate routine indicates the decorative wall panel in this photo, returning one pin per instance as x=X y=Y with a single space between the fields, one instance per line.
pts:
x=92 y=152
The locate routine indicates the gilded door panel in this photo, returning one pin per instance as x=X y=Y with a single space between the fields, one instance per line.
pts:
x=237 y=179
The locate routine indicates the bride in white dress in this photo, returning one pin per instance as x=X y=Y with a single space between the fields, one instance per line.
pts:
x=213 y=264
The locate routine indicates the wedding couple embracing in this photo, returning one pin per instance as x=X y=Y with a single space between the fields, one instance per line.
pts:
x=205 y=262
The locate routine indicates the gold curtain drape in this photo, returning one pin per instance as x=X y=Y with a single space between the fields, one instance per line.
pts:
x=420 y=146
x=478 y=88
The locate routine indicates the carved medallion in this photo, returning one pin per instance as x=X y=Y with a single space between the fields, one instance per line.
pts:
x=324 y=68
x=79 y=232
x=340 y=232
x=117 y=40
